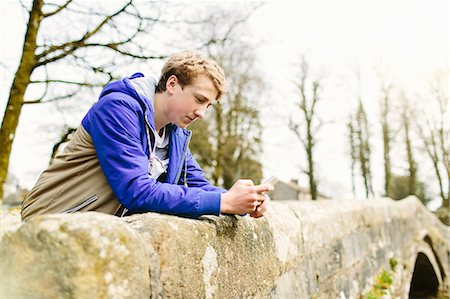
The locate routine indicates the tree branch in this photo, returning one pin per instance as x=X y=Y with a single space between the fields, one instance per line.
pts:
x=60 y=8
x=24 y=6
x=116 y=49
x=65 y=137
x=71 y=46
x=214 y=40
x=88 y=84
x=39 y=101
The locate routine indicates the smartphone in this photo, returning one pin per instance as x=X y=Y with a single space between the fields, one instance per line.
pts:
x=272 y=180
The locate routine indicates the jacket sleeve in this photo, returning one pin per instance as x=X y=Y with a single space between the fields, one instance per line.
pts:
x=195 y=176
x=115 y=126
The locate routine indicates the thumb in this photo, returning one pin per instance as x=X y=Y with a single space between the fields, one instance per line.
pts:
x=264 y=188
x=246 y=182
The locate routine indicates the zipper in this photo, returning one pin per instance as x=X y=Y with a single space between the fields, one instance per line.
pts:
x=125 y=210
x=150 y=149
x=177 y=178
x=121 y=211
x=81 y=205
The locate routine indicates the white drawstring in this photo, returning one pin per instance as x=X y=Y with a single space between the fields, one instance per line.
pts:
x=185 y=172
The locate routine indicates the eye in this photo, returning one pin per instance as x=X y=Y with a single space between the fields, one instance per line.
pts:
x=201 y=101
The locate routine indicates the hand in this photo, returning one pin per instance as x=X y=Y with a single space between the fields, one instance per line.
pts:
x=244 y=197
x=262 y=208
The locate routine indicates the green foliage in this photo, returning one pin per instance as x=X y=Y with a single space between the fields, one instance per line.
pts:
x=382 y=285
x=229 y=159
x=443 y=214
x=393 y=263
x=201 y=146
x=400 y=186
x=228 y=142
x=383 y=282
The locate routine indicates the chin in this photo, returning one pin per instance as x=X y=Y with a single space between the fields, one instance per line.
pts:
x=182 y=125
x=185 y=125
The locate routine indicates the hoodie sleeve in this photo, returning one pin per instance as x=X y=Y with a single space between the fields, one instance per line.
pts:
x=115 y=126
x=195 y=176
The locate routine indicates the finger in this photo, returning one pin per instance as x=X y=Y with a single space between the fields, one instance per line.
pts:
x=263 y=188
x=262 y=209
x=260 y=198
x=246 y=182
x=259 y=212
x=253 y=207
x=256 y=214
x=263 y=205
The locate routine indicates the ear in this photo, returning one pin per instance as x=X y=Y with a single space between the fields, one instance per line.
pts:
x=171 y=84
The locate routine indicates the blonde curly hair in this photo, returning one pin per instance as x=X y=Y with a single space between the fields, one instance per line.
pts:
x=189 y=65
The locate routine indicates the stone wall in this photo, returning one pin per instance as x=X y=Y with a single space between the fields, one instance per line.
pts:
x=301 y=249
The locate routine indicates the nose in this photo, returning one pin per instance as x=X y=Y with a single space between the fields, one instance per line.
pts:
x=200 y=112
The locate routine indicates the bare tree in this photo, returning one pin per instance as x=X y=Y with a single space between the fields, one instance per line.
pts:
x=387 y=132
x=312 y=124
x=353 y=149
x=98 y=33
x=406 y=117
x=228 y=142
x=233 y=125
x=97 y=43
x=434 y=133
x=364 y=149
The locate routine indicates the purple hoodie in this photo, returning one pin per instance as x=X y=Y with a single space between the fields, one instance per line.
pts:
x=117 y=125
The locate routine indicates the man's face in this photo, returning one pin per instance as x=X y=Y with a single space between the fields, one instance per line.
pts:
x=189 y=103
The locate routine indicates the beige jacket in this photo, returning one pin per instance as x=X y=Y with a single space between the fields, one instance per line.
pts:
x=76 y=179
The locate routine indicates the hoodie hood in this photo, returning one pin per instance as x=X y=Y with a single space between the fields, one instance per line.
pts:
x=137 y=86
x=145 y=87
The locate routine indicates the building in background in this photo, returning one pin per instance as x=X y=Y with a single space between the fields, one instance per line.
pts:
x=291 y=191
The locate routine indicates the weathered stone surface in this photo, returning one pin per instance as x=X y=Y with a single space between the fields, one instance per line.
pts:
x=80 y=256
x=218 y=257
x=9 y=219
x=325 y=249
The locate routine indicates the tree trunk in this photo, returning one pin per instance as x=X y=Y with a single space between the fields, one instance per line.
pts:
x=353 y=151
x=385 y=111
x=17 y=91
x=412 y=165
x=309 y=153
x=364 y=151
x=432 y=152
x=439 y=177
x=387 y=159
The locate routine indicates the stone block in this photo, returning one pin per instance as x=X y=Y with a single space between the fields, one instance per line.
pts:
x=79 y=256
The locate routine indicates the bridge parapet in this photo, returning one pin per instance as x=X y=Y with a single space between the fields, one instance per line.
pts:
x=302 y=249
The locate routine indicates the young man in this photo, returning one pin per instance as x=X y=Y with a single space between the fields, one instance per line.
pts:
x=130 y=154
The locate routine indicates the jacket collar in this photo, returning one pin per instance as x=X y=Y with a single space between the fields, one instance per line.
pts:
x=179 y=138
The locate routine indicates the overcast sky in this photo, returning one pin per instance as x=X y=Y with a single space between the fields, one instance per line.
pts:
x=409 y=38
